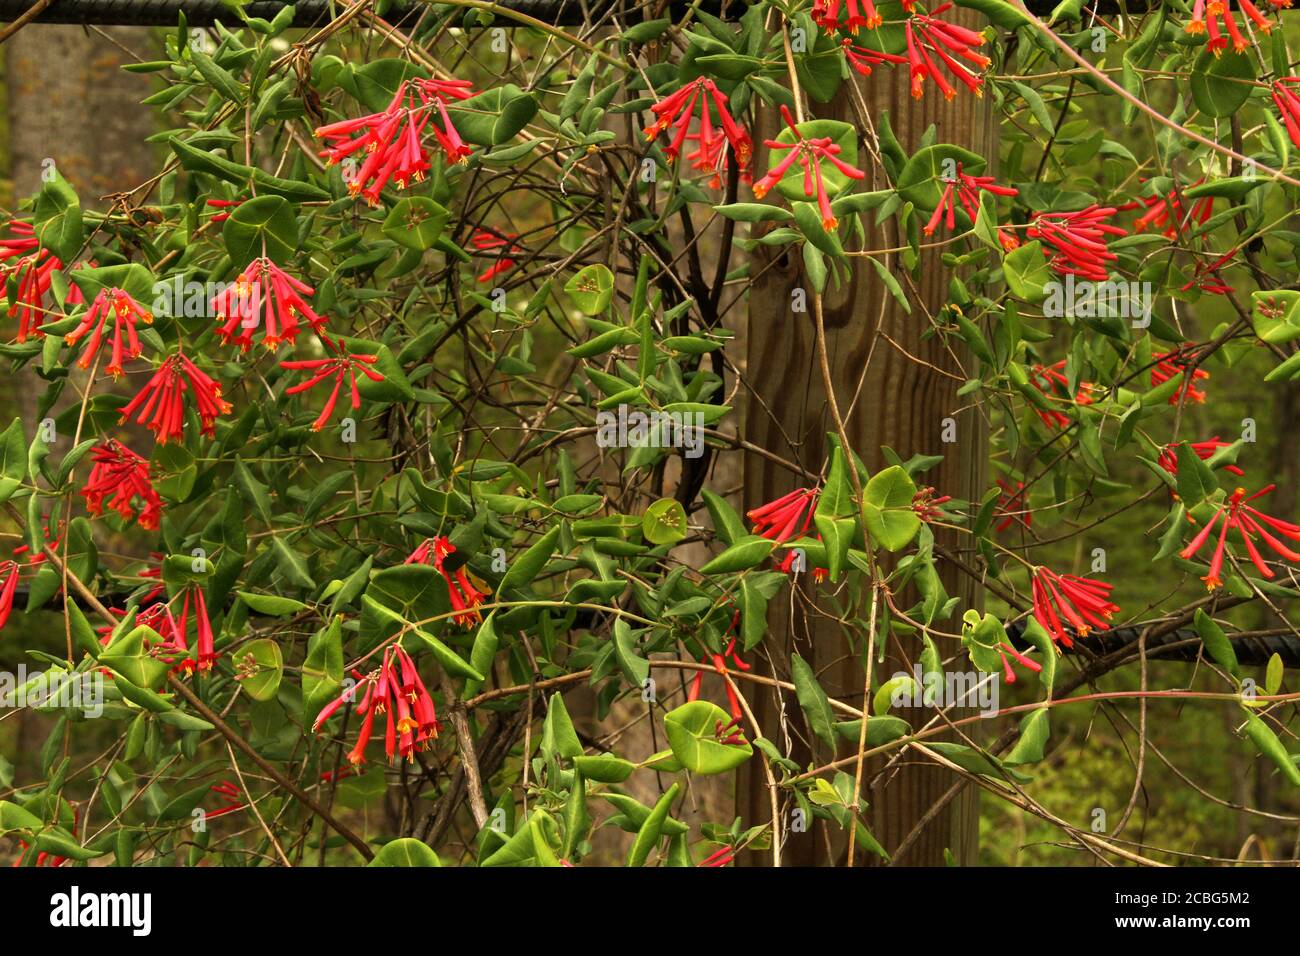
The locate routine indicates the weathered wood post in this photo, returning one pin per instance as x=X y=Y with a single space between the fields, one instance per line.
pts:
x=887 y=398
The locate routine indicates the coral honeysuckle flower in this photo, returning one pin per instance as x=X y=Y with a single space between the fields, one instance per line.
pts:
x=121 y=476
x=1169 y=364
x=790 y=516
x=395 y=690
x=339 y=368
x=928 y=506
x=263 y=296
x=928 y=35
x=720 y=665
x=486 y=241
x=161 y=402
x=125 y=312
x=231 y=794
x=391 y=140
x=826 y=14
x=1067 y=601
x=9 y=573
x=1075 y=242
x=964 y=189
x=1205 y=19
x=33 y=266
x=1288 y=105
x=1052 y=381
x=205 y=652
x=1165 y=213
x=1204 y=450
x=862 y=58
x=1249 y=522
x=720 y=857
x=1012 y=506
x=810 y=153
x=1206 y=275
x=222 y=204
x=465 y=597
x=678 y=108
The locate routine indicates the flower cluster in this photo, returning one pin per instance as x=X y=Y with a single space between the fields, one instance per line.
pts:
x=338 y=368
x=121 y=476
x=396 y=690
x=9 y=573
x=810 y=154
x=161 y=403
x=125 y=313
x=677 y=109
x=1203 y=450
x=1249 y=522
x=1075 y=242
x=392 y=141
x=465 y=597
x=1168 y=365
x=263 y=296
x=964 y=189
x=720 y=665
x=1206 y=19
x=34 y=267
x=1064 y=602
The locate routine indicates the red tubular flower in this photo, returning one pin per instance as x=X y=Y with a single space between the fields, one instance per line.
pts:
x=826 y=14
x=928 y=35
x=9 y=572
x=122 y=476
x=1165 y=213
x=1169 y=364
x=339 y=368
x=862 y=58
x=230 y=794
x=677 y=109
x=790 y=516
x=161 y=402
x=720 y=857
x=172 y=648
x=1075 y=242
x=1206 y=276
x=1052 y=382
x=1204 y=450
x=391 y=140
x=205 y=651
x=125 y=312
x=223 y=204
x=1011 y=505
x=263 y=292
x=929 y=507
x=500 y=245
x=720 y=665
x=1206 y=18
x=465 y=597
x=964 y=189
x=1288 y=105
x=1064 y=601
x=1005 y=648
x=810 y=153
x=34 y=267
x=395 y=690
x=1249 y=522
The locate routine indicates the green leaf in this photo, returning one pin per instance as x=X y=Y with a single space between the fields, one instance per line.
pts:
x=1217 y=644
x=891 y=522
x=1273 y=675
x=558 y=735
x=691 y=730
x=746 y=553
x=648 y=836
x=591 y=289
x=259 y=667
x=1222 y=83
x=664 y=522
x=406 y=851
x=416 y=222
x=322 y=670
x=525 y=568
x=57 y=220
x=604 y=768
x=272 y=605
x=1027 y=272
x=291 y=564
x=262 y=226
x=1266 y=742
x=816 y=705
x=1035 y=728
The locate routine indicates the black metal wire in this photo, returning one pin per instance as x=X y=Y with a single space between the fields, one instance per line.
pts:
x=163 y=13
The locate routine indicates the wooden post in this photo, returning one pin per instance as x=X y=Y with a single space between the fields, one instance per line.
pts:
x=887 y=398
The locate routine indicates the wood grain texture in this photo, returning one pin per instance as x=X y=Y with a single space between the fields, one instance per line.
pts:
x=890 y=400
